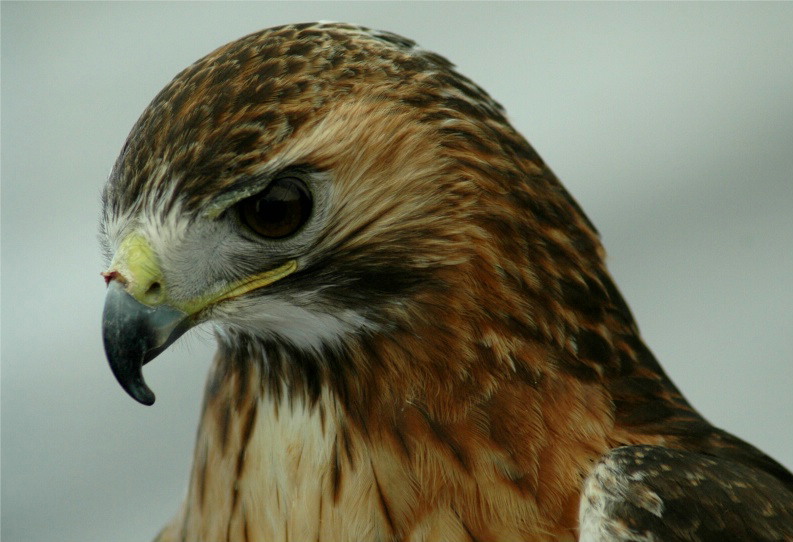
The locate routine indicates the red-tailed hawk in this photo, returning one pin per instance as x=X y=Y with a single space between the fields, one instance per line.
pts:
x=418 y=337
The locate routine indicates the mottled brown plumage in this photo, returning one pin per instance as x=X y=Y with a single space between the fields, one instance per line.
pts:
x=476 y=361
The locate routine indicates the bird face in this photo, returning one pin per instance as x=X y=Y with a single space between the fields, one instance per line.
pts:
x=309 y=183
x=258 y=191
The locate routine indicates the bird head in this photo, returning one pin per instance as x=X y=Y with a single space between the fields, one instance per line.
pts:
x=317 y=185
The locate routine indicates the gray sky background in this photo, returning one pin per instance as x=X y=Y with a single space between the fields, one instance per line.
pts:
x=672 y=124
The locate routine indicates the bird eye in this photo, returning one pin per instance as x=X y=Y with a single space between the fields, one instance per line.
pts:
x=280 y=210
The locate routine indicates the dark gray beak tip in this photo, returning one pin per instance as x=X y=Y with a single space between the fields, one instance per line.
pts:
x=134 y=334
x=126 y=362
x=142 y=395
x=138 y=390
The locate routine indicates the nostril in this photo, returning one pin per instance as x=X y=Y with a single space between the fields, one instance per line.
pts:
x=154 y=289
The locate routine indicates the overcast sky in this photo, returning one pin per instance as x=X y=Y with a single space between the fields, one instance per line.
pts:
x=672 y=124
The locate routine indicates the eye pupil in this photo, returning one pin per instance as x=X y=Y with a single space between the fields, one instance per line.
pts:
x=279 y=211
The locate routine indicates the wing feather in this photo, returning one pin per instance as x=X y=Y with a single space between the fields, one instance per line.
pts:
x=652 y=493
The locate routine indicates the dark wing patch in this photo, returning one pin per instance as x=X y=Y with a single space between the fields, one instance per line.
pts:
x=651 y=493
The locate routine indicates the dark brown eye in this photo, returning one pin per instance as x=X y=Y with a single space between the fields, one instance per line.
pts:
x=279 y=211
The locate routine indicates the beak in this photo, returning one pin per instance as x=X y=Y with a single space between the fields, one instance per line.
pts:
x=141 y=320
x=134 y=334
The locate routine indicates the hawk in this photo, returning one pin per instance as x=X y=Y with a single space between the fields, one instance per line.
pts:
x=418 y=338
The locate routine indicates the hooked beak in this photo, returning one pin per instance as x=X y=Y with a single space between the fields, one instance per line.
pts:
x=141 y=320
x=134 y=334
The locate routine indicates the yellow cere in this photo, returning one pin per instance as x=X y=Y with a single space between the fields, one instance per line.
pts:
x=138 y=266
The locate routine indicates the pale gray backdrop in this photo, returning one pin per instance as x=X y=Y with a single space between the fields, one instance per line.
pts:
x=672 y=124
